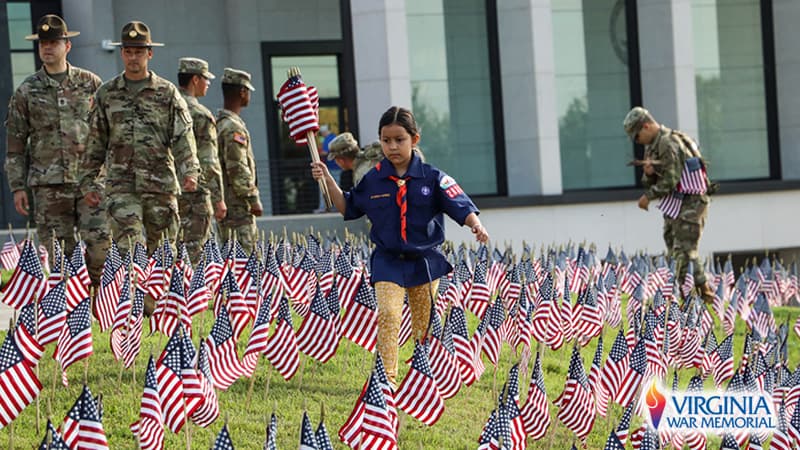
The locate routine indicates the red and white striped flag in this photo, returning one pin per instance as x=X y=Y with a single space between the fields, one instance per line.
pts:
x=223 y=361
x=208 y=410
x=298 y=110
x=27 y=283
x=149 y=429
x=535 y=413
x=281 y=349
x=110 y=287
x=19 y=385
x=576 y=409
x=417 y=394
x=75 y=340
x=318 y=335
x=9 y=255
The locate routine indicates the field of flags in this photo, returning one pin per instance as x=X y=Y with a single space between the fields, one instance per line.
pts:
x=308 y=302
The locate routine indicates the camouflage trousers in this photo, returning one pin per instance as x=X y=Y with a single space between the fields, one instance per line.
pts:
x=61 y=211
x=196 y=215
x=682 y=236
x=239 y=220
x=390 y=314
x=143 y=217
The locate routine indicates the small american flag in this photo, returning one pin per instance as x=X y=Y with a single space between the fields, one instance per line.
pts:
x=75 y=340
x=417 y=394
x=318 y=336
x=9 y=255
x=630 y=382
x=308 y=440
x=52 y=439
x=25 y=335
x=170 y=385
x=281 y=350
x=27 y=283
x=465 y=355
x=693 y=177
x=442 y=359
x=110 y=286
x=358 y=323
x=221 y=346
x=258 y=340
x=535 y=413
x=91 y=434
x=670 y=205
x=19 y=385
x=378 y=427
x=149 y=429
x=576 y=409
x=208 y=410
x=270 y=443
x=223 y=441
x=616 y=366
x=298 y=111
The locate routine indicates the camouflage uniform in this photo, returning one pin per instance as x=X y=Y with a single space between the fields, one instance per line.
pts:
x=46 y=130
x=239 y=176
x=195 y=208
x=346 y=146
x=145 y=140
x=238 y=169
x=681 y=234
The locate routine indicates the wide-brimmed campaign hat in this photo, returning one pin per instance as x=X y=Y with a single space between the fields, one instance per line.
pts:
x=136 y=34
x=51 y=27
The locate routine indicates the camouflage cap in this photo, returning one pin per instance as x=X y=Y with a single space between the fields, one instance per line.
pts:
x=136 y=34
x=51 y=27
x=634 y=120
x=344 y=145
x=373 y=151
x=195 y=66
x=234 y=76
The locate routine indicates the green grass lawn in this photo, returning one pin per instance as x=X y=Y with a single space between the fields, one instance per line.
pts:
x=336 y=384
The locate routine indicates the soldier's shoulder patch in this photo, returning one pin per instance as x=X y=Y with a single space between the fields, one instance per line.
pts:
x=240 y=138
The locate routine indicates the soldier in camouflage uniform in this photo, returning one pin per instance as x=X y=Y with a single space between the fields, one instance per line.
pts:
x=47 y=127
x=345 y=151
x=666 y=151
x=196 y=207
x=238 y=163
x=141 y=129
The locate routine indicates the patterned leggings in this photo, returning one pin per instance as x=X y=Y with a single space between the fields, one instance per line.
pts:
x=390 y=313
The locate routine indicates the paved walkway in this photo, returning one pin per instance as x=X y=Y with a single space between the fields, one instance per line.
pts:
x=6 y=313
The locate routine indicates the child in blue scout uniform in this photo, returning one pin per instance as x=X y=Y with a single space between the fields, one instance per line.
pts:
x=404 y=198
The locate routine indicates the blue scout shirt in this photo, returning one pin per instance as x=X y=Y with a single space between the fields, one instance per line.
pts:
x=431 y=192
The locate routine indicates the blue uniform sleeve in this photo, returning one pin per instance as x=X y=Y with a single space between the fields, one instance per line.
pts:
x=453 y=200
x=352 y=208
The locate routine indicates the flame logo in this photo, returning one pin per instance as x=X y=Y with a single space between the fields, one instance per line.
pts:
x=656 y=402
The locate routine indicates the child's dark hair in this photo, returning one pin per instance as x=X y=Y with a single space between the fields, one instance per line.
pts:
x=399 y=116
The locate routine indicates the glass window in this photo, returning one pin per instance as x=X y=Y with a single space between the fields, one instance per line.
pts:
x=451 y=89
x=23 y=59
x=729 y=75
x=592 y=93
x=320 y=71
x=19 y=25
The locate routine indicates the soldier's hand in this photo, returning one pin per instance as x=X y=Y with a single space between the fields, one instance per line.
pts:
x=92 y=199
x=648 y=168
x=644 y=202
x=21 y=202
x=189 y=184
x=256 y=209
x=220 y=210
